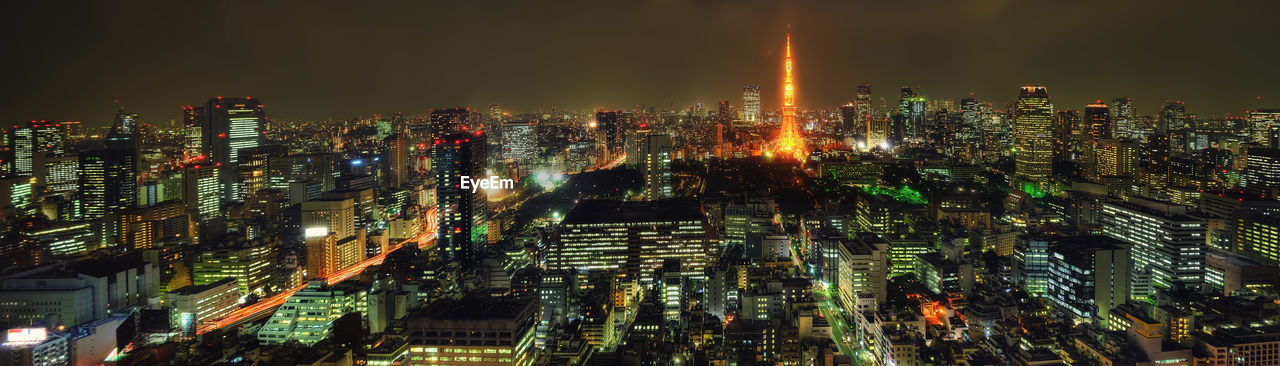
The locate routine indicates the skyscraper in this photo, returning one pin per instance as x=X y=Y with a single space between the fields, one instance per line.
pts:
x=202 y=190
x=656 y=165
x=911 y=114
x=35 y=138
x=397 y=159
x=1173 y=116
x=231 y=124
x=108 y=182
x=1166 y=242
x=1067 y=135
x=1088 y=276
x=607 y=122
x=463 y=214
x=192 y=132
x=790 y=142
x=1124 y=123
x=1097 y=118
x=519 y=141
x=751 y=104
x=1032 y=129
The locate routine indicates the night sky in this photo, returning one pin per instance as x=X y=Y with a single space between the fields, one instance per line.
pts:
x=310 y=60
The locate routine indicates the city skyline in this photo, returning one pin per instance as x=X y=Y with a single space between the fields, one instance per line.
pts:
x=383 y=59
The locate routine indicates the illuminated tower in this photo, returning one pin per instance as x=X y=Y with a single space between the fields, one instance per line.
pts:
x=790 y=143
x=1097 y=118
x=1033 y=135
x=751 y=104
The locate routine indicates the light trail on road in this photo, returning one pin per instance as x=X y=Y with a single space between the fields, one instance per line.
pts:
x=425 y=240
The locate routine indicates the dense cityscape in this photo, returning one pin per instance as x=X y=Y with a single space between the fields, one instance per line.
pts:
x=900 y=228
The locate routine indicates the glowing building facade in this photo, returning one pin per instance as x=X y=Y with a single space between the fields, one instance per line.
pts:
x=1033 y=135
x=751 y=104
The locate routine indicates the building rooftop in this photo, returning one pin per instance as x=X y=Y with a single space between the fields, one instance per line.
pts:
x=195 y=289
x=606 y=211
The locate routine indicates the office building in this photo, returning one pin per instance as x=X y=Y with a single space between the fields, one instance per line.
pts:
x=34 y=347
x=192 y=305
x=519 y=141
x=76 y=292
x=251 y=263
x=751 y=104
x=1097 y=121
x=308 y=315
x=463 y=217
x=654 y=153
x=1088 y=276
x=1124 y=122
x=108 y=181
x=202 y=190
x=1163 y=240
x=397 y=160
x=863 y=271
x=473 y=331
x=632 y=238
x=1033 y=142
x=1031 y=263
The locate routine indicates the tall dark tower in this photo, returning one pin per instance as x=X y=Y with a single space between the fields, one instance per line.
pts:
x=463 y=213
x=1097 y=119
x=231 y=124
x=608 y=122
x=397 y=159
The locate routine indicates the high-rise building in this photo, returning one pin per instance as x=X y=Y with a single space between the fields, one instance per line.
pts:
x=607 y=122
x=877 y=127
x=655 y=165
x=231 y=124
x=751 y=104
x=202 y=189
x=1114 y=158
x=1262 y=169
x=1031 y=263
x=1097 y=119
x=462 y=225
x=36 y=138
x=398 y=159
x=193 y=147
x=251 y=170
x=1258 y=236
x=863 y=270
x=632 y=238
x=1124 y=123
x=1067 y=136
x=1164 y=240
x=329 y=216
x=1088 y=276
x=1173 y=116
x=448 y=121
x=790 y=142
x=1263 y=124
x=1033 y=142
x=251 y=263
x=911 y=114
x=108 y=182
x=142 y=228
x=850 y=124
x=519 y=141
x=59 y=174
